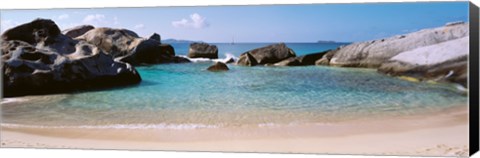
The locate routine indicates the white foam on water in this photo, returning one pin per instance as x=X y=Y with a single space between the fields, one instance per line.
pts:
x=11 y=100
x=295 y=123
x=120 y=126
x=269 y=124
x=228 y=57
x=461 y=88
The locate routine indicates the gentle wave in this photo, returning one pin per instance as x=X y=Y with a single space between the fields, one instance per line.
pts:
x=228 y=57
x=120 y=126
x=141 y=126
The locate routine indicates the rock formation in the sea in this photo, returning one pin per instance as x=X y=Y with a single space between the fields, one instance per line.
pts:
x=446 y=61
x=127 y=46
x=266 y=55
x=155 y=37
x=303 y=60
x=325 y=59
x=230 y=60
x=77 y=31
x=374 y=53
x=38 y=59
x=203 y=50
x=218 y=66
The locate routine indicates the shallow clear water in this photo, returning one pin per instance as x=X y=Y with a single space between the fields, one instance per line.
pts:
x=188 y=96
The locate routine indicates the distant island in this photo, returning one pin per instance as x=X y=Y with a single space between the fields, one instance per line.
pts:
x=179 y=41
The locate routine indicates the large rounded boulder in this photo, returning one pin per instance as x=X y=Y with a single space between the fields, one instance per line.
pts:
x=266 y=55
x=374 y=53
x=446 y=61
x=203 y=50
x=303 y=60
x=127 y=46
x=38 y=59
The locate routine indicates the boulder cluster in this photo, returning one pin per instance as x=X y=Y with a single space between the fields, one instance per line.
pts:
x=39 y=58
x=438 y=54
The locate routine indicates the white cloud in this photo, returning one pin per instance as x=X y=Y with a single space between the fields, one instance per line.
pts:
x=139 y=26
x=195 y=21
x=63 y=17
x=180 y=23
x=94 y=19
x=97 y=20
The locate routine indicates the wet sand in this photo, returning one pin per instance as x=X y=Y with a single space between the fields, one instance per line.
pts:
x=444 y=133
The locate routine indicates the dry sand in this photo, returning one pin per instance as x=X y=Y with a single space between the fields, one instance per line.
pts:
x=444 y=133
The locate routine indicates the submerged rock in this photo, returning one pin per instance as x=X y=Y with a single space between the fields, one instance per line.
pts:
x=446 y=61
x=38 y=59
x=77 y=31
x=218 y=66
x=374 y=53
x=266 y=55
x=203 y=50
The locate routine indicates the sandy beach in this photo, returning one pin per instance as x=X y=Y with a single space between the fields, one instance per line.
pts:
x=442 y=134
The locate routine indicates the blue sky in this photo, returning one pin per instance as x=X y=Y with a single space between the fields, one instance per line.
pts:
x=265 y=23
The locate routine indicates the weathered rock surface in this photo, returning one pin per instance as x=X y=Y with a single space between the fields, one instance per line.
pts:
x=203 y=50
x=77 y=31
x=446 y=61
x=218 y=66
x=293 y=61
x=373 y=53
x=325 y=60
x=304 y=60
x=116 y=42
x=127 y=46
x=266 y=55
x=38 y=59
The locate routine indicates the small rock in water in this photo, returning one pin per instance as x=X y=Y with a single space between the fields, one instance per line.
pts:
x=219 y=66
x=230 y=60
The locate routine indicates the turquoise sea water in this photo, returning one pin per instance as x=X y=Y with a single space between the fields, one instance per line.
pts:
x=188 y=96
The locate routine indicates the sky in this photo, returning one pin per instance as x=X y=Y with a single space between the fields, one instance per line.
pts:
x=259 y=23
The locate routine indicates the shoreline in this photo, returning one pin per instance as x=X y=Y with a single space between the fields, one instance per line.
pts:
x=441 y=134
